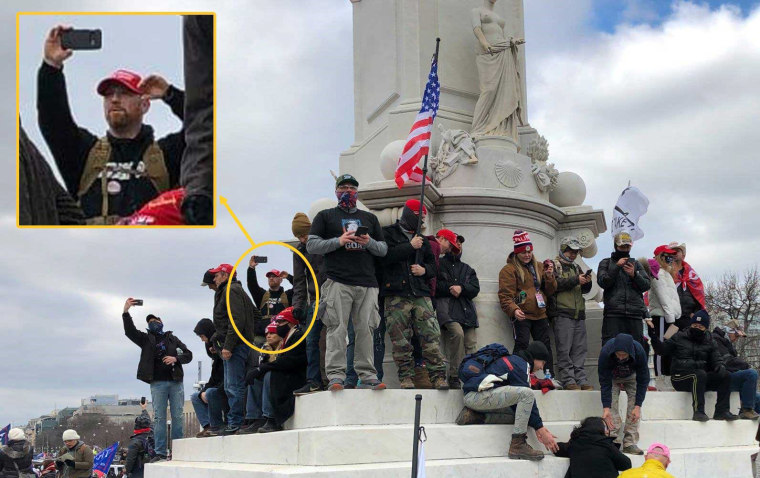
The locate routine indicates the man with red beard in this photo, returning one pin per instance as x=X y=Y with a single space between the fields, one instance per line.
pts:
x=115 y=175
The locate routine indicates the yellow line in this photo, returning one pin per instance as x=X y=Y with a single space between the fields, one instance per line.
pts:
x=223 y=200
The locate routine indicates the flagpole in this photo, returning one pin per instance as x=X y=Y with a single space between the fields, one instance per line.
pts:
x=415 y=446
x=418 y=258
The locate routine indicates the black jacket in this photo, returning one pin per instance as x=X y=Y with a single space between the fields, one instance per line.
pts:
x=272 y=307
x=147 y=343
x=288 y=375
x=15 y=454
x=689 y=355
x=623 y=295
x=452 y=271
x=593 y=456
x=71 y=144
x=137 y=450
x=303 y=283
x=397 y=277
x=726 y=349
x=243 y=311
x=216 y=380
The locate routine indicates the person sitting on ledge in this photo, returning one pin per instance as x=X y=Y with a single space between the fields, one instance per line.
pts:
x=657 y=461
x=495 y=381
x=697 y=366
x=592 y=451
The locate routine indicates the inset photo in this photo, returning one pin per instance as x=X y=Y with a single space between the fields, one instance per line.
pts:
x=115 y=119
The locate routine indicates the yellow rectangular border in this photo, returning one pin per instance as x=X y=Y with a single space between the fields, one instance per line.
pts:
x=18 y=132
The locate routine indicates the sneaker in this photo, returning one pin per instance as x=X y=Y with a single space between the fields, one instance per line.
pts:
x=230 y=430
x=728 y=416
x=454 y=383
x=159 y=458
x=310 y=387
x=252 y=427
x=700 y=417
x=468 y=416
x=748 y=414
x=350 y=386
x=270 y=426
x=440 y=383
x=372 y=385
x=335 y=385
x=587 y=387
x=572 y=386
x=407 y=383
x=633 y=450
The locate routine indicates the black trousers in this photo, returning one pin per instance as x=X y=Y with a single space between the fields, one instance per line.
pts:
x=661 y=362
x=612 y=325
x=539 y=330
x=698 y=381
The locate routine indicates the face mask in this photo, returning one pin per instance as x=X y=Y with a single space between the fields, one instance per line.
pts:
x=156 y=327
x=282 y=330
x=408 y=219
x=347 y=199
x=696 y=334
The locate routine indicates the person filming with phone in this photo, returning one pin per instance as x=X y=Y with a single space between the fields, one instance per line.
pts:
x=624 y=282
x=114 y=175
x=161 y=359
x=270 y=302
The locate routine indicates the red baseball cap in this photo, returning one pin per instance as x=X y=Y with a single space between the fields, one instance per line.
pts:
x=663 y=250
x=222 y=268
x=273 y=272
x=414 y=205
x=165 y=210
x=128 y=79
x=272 y=327
x=286 y=315
x=450 y=236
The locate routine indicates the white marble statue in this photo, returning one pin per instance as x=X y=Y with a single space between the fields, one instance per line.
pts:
x=545 y=174
x=457 y=147
x=498 y=110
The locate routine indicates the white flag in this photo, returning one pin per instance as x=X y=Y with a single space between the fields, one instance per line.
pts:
x=631 y=205
x=421 y=460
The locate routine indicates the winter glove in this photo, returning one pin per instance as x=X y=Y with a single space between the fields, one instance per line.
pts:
x=198 y=210
x=70 y=463
x=720 y=369
x=252 y=375
x=299 y=314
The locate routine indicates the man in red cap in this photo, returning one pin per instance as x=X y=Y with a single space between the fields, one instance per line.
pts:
x=406 y=292
x=270 y=302
x=456 y=288
x=233 y=351
x=112 y=176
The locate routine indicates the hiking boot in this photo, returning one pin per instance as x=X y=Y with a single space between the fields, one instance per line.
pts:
x=454 y=383
x=633 y=450
x=748 y=414
x=728 y=416
x=572 y=386
x=208 y=432
x=407 y=383
x=335 y=385
x=421 y=378
x=520 y=450
x=468 y=416
x=310 y=387
x=372 y=385
x=587 y=388
x=252 y=427
x=203 y=433
x=440 y=383
x=270 y=426
x=700 y=416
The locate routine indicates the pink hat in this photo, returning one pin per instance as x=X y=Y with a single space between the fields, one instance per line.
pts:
x=659 y=449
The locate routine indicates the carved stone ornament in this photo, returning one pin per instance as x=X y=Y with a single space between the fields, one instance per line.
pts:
x=538 y=150
x=546 y=174
x=508 y=173
x=457 y=147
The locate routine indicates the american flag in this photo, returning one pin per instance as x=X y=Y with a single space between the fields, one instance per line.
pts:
x=418 y=141
x=4 y=434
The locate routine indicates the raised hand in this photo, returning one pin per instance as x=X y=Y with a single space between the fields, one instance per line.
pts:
x=154 y=86
x=54 y=54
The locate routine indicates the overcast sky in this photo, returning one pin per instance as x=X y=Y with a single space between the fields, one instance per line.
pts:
x=662 y=94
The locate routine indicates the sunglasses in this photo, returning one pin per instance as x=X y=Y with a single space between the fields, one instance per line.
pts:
x=669 y=259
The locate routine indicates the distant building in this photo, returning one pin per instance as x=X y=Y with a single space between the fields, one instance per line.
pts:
x=101 y=400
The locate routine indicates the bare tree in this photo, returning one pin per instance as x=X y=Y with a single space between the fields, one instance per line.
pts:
x=737 y=297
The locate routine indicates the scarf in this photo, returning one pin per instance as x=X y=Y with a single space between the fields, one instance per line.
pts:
x=347 y=200
x=688 y=278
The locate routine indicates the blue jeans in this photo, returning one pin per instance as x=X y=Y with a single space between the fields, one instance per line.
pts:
x=234 y=384
x=312 y=352
x=745 y=382
x=217 y=407
x=380 y=341
x=201 y=409
x=165 y=393
x=252 y=404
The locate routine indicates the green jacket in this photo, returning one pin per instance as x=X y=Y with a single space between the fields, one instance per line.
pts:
x=83 y=458
x=568 y=300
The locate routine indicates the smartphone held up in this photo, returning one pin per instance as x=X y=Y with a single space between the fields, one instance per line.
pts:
x=74 y=39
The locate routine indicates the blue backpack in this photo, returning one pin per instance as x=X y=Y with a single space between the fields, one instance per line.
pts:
x=475 y=364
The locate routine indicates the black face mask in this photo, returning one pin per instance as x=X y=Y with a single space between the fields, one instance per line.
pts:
x=408 y=219
x=617 y=255
x=282 y=330
x=696 y=334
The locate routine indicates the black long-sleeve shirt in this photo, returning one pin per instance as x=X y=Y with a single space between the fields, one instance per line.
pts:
x=71 y=144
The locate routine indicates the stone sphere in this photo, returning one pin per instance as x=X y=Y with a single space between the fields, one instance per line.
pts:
x=590 y=251
x=570 y=191
x=389 y=158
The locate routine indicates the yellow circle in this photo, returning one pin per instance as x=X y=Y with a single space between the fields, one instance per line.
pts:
x=316 y=288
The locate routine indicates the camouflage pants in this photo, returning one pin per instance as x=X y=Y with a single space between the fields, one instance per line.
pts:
x=405 y=316
x=630 y=435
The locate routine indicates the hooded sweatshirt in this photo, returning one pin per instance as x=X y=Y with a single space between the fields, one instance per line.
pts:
x=610 y=367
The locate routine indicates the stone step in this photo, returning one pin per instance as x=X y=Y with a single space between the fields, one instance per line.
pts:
x=727 y=462
x=395 y=407
x=393 y=443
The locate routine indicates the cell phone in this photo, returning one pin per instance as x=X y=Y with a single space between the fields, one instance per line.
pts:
x=261 y=259
x=588 y=272
x=137 y=302
x=361 y=231
x=81 y=39
x=142 y=400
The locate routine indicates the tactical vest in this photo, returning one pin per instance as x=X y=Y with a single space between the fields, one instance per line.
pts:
x=96 y=166
x=265 y=304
